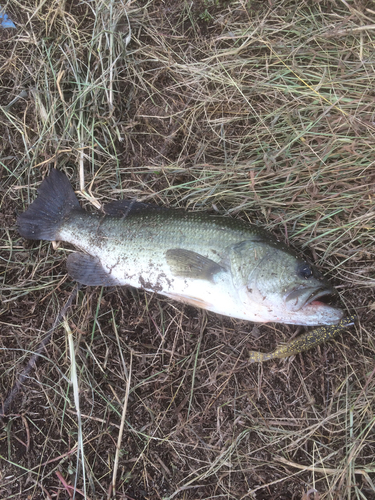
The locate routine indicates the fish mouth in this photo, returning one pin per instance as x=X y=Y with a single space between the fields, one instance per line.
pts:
x=302 y=296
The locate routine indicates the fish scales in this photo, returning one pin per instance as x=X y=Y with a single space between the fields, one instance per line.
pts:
x=217 y=263
x=133 y=249
x=155 y=232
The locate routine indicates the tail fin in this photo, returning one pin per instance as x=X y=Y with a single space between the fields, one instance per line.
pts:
x=55 y=200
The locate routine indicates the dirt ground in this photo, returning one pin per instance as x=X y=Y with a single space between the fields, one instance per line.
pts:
x=262 y=111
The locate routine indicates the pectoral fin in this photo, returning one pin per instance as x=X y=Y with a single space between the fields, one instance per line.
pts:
x=190 y=264
x=88 y=270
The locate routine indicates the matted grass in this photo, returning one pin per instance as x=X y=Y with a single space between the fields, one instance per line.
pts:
x=259 y=110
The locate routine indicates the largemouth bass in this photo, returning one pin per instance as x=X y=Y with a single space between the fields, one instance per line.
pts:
x=217 y=263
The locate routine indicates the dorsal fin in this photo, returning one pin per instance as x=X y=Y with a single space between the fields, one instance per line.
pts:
x=122 y=208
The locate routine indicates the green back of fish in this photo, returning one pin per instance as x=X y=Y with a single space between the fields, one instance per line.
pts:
x=164 y=229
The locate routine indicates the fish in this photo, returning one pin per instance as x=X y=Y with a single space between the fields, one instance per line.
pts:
x=304 y=342
x=221 y=264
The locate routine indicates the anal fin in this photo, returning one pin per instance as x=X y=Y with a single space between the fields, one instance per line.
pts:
x=191 y=301
x=88 y=270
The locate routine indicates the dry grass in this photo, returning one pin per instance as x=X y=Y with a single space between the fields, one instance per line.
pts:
x=260 y=110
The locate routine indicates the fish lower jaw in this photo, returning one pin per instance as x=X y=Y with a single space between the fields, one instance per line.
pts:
x=314 y=314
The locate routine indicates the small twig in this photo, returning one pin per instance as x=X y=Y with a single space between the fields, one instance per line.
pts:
x=34 y=358
x=74 y=382
x=37 y=483
x=69 y=487
x=22 y=95
x=311 y=491
x=127 y=374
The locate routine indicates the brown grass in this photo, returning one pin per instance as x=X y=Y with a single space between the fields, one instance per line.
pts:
x=258 y=110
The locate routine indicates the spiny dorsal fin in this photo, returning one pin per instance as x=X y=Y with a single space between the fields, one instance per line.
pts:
x=123 y=208
x=188 y=264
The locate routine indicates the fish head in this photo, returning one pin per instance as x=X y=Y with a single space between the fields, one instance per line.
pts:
x=284 y=287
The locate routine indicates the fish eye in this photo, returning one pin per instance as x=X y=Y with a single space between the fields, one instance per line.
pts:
x=304 y=270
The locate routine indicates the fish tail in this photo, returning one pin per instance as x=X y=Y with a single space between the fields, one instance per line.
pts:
x=43 y=218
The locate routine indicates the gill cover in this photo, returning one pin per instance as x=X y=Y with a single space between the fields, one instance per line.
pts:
x=270 y=274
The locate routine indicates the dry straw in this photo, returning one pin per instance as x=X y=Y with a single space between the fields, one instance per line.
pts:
x=258 y=110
